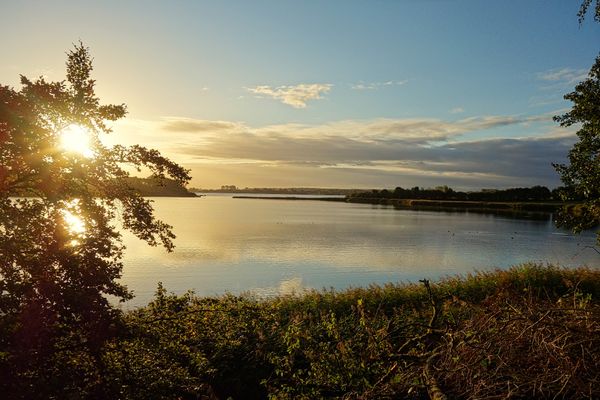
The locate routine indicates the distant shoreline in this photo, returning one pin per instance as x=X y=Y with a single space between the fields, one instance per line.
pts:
x=283 y=191
x=280 y=197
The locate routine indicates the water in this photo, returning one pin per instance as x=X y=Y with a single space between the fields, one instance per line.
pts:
x=280 y=246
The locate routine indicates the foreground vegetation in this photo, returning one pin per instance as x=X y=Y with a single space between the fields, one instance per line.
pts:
x=529 y=332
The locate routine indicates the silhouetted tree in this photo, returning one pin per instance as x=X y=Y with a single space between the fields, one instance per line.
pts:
x=585 y=5
x=582 y=175
x=60 y=248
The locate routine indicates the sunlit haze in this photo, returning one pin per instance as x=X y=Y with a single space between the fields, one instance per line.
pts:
x=324 y=94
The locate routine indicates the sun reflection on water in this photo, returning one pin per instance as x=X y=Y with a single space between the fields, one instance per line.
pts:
x=74 y=223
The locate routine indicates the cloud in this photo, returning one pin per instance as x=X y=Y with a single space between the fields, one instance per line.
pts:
x=364 y=153
x=516 y=157
x=407 y=130
x=404 y=147
x=376 y=85
x=296 y=96
x=554 y=83
x=195 y=125
x=546 y=99
x=457 y=110
x=568 y=76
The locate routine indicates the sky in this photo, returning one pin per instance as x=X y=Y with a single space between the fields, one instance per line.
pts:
x=347 y=94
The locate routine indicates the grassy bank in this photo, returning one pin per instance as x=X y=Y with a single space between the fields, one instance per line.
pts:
x=529 y=332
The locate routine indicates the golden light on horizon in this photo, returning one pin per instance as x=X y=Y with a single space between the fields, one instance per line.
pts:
x=76 y=139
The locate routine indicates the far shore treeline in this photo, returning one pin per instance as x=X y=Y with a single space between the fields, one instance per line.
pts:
x=519 y=194
x=534 y=193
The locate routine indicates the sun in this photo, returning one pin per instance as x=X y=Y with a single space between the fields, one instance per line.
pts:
x=76 y=139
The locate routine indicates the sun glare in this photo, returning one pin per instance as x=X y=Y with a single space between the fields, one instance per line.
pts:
x=76 y=139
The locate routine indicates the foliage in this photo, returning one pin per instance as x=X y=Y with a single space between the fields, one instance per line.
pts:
x=582 y=175
x=185 y=347
x=585 y=5
x=60 y=251
x=530 y=332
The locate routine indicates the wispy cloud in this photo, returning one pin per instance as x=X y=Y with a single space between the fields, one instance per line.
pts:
x=294 y=95
x=562 y=77
x=376 y=85
x=457 y=110
x=545 y=99
x=175 y=124
x=554 y=83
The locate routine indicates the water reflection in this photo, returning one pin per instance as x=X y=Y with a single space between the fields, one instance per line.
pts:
x=287 y=287
x=512 y=214
x=73 y=220
x=270 y=246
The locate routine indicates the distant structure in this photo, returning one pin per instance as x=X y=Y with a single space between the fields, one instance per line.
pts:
x=229 y=188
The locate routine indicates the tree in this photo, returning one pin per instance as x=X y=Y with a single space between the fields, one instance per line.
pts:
x=60 y=247
x=582 y=175
x=583 y=9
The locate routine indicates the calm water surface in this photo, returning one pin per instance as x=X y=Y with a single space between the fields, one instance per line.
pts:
x=281 y=246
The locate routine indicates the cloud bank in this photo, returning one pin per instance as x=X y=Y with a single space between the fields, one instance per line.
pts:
x=366 y=153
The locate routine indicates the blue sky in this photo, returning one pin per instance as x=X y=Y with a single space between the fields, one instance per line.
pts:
x=314 y=93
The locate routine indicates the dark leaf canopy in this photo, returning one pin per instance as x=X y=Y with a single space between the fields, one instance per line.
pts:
x=582 y=174
x=61 y=211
